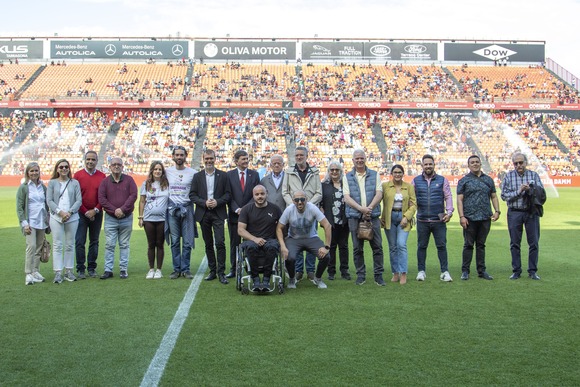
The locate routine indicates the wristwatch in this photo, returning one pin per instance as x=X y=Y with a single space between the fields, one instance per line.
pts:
x=327 y=247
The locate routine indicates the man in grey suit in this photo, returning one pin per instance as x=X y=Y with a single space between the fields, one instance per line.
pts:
x=273 y=182
x=210 y=192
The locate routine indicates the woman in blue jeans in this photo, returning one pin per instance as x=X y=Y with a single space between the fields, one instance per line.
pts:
x=399 y=206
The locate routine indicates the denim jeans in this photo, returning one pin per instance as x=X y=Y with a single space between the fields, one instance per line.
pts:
x=94 y=230
x=181 y=242
x=516 y=222
x=475 y=235
x=439 y=231
x=358 y=248
x=397 y=238
x=63 y=244
x=117 y=230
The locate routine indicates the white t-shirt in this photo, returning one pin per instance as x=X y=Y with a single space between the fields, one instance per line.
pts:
x=156 y=202
x=179 y=184
x=302 y=225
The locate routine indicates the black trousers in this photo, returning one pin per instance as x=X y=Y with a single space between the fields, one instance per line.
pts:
x=213 y=233
x=340 y=234
x=475 y=235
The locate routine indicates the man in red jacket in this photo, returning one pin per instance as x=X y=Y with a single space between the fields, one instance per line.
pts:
x=91 y=216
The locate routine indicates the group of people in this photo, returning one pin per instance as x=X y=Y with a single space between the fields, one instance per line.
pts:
x=276 y=215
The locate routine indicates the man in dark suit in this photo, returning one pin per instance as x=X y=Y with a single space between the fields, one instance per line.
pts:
x=242 y=181
x=273 y=182
x=210 y=192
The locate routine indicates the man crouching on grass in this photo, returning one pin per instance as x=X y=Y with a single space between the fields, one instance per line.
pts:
x=301 y=218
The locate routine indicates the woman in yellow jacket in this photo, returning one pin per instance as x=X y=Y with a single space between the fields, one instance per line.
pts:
x=399 y=206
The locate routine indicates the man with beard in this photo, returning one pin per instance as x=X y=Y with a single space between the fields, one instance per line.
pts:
x=257 y=225
x=434 y=211
x=301 y=218
x=180 y=213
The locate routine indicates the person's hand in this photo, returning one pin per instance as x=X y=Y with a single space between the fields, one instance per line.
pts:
x=322 y=252
x=119 y=213
x=140 y=222
x=446 y=218
x=524 y=188
x=404 y=222
x=463 y=222
x=91 y=214
x=383 y=222
x=27 y=230
x=260 y=241
x=238 y=211
x=284 y=251
x=495 y=216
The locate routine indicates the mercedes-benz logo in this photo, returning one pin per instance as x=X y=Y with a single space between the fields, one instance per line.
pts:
x=110 y=49
x=177 y=50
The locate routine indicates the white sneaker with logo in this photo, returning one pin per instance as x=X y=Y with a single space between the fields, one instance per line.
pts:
x=446 y=277
x=150 y=274
x=421 y=276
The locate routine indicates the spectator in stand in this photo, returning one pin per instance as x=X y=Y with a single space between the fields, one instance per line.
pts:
x=152 y=214
x=90 y=216
x=334 y=210
x=397 y=219
x=117 y=195
x=64 y=200
x=32 y=212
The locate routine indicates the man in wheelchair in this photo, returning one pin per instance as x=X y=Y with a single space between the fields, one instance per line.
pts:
x=257 y=226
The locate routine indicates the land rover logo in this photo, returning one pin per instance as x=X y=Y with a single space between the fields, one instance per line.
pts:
x=380 y=50
x=177 y=50
x=110 y=49
x=210 y=50
x=415 y=49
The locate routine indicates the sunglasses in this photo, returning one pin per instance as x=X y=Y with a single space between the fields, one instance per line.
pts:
x=299 y=200
x=334 y=170
x=519 y=162
x=63 y=167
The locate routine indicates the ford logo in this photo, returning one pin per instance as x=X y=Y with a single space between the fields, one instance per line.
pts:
x=380 y=50
x=415 y=49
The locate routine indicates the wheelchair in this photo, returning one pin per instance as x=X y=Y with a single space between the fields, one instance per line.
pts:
x=244 y=278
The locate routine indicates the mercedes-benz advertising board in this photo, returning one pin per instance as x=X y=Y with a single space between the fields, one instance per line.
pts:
x=128 y=49
x=249 y=50
x=477 y=52
x=369 y=50
x=20 y=49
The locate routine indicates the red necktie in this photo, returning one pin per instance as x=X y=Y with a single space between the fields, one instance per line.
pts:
x=242 y=182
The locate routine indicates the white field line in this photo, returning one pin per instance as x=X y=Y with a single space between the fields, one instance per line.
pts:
x=159 y=361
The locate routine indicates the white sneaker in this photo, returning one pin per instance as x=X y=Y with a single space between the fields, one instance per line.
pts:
x=446 y=277
x=318 y=282
x=158 y=274
x=421 y=276
x=29 y=279
x=150 y=274
x=292 y=283
x=37 y=277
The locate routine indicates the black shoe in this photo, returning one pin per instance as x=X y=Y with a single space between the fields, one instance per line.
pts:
x=379 y=280
x=465 y=276
x=346 y=276
x=81 y=275
x=223 y=279
x=534 y=276
x=93 y=273
x=256 y=285
x=485 y=276
x=266 y=284
x=175 y=275
x=515 y=276
x=331 y=277
x=211 y=276
x=231 y=274
x=107 y=274
x=187 y=275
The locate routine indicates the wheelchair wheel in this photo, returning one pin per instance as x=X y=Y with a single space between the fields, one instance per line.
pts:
x=245 y=291
x=280 y=289
x=239 y=268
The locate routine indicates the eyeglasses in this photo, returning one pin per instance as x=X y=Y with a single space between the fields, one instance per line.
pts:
x=299 y=200
x=87 y=159
x=116 y=165
x=334 y=170
x=519 y=162
x=63 y=167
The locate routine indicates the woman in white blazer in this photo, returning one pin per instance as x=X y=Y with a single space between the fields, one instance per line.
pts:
x=64 y=199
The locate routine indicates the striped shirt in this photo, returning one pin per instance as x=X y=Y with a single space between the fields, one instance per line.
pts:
x=510 y=188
